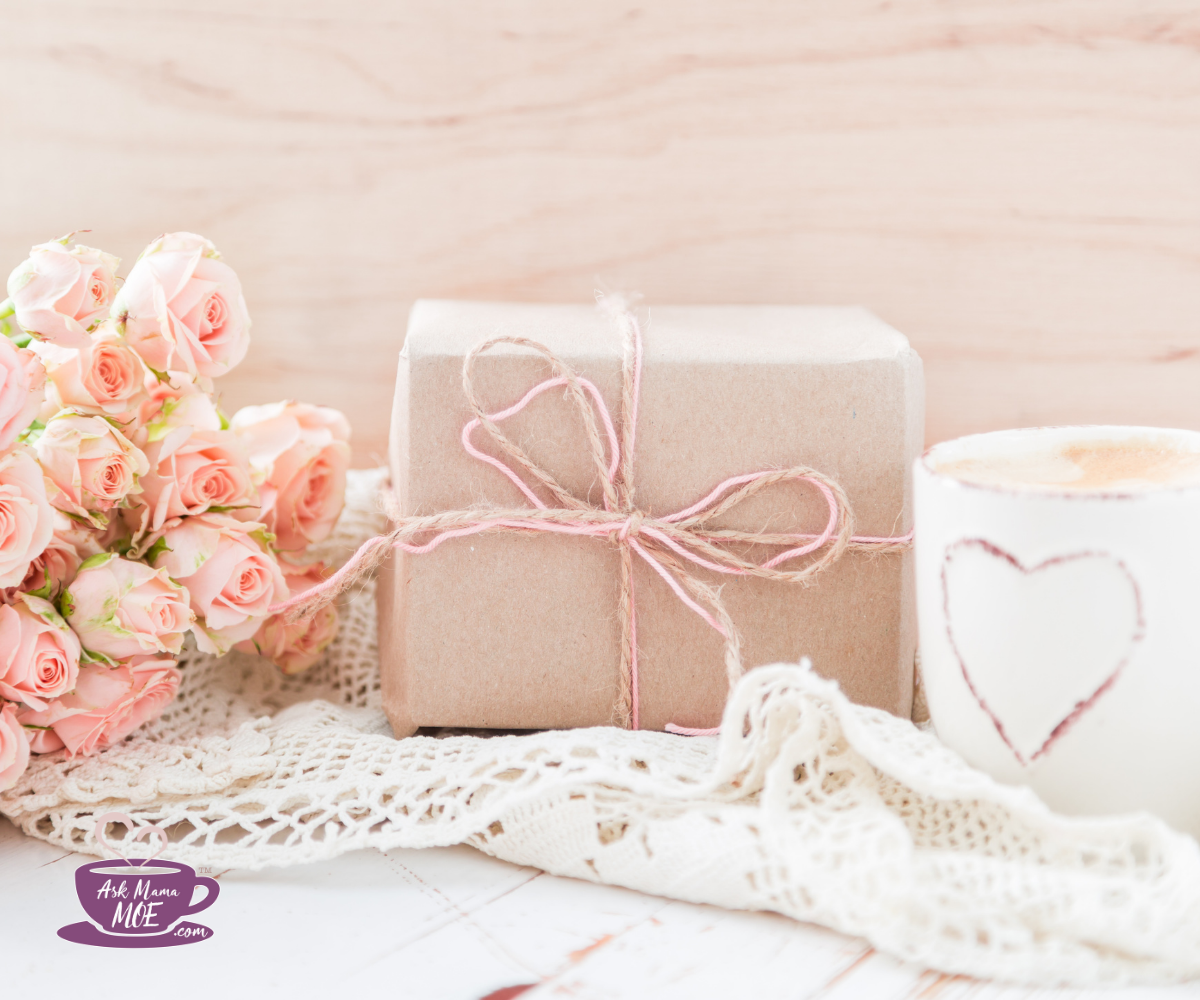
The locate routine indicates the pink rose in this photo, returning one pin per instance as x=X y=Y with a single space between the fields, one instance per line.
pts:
x=22 y=382
x=230 y=573
x=108 y=703
x=296 y=646
x=39 y=655
x=43 y=739
x=121 y=608
x=88 y=540
x=168 y=406
x=300 y=453
x=26 y=517
x=182 y=309
x=49 y=574
x=192 y=471
x=156 y=681
x=52 y=572
x=59 y=293
x=103 y=375
x=90 y=464
x=14 y=747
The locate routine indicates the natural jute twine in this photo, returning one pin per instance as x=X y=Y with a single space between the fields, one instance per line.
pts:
x=665 y=543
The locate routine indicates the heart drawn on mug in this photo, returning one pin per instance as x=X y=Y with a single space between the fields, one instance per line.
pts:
x=1038 y=645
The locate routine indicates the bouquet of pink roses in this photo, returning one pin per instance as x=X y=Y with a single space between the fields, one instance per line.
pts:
x=132 y=511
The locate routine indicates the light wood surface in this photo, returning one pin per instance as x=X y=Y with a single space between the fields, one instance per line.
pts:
x=453 y=924
x=1015 y=184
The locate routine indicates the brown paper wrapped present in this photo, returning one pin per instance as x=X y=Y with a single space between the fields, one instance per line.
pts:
x=524 y=629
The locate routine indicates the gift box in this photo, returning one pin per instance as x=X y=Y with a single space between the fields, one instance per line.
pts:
x=522 y=629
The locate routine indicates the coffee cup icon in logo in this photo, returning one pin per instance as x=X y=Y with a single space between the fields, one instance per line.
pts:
x=139 y=902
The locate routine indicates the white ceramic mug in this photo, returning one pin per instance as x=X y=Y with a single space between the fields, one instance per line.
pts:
x=1058 y=595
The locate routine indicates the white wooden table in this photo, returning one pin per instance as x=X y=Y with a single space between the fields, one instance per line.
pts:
x=449 y=923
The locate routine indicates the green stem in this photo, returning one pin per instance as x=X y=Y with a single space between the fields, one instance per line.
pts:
x=17 y=336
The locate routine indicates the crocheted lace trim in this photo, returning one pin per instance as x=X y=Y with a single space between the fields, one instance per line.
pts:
x=806 y=804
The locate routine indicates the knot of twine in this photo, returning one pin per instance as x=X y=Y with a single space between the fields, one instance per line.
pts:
x=631 y=527
x=666 y=544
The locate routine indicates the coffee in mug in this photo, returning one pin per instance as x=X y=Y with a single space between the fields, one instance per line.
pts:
x=1058 y=583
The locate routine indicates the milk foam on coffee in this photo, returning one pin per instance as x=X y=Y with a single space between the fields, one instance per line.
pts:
x=1097 y=463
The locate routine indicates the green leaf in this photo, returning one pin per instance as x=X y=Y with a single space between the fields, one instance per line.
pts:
x=31 y=433
x=44 y=591
x=99 y=559
x=156 y=550
x=66 y=604
x=115 y=423
x=45 y=610
x=263 y=537
x=91 y=656
x=158 y=428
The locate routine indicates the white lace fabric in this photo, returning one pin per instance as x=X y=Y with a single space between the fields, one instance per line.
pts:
x=806 y=804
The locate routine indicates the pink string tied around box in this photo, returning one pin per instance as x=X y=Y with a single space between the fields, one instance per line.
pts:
x=667 y=544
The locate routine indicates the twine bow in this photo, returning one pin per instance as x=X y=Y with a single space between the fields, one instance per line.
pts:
x=666 y=544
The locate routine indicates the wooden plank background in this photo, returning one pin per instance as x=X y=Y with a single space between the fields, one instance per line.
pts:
x=1015 y=184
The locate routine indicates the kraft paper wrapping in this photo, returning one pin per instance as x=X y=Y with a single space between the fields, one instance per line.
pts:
x=507 y=631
